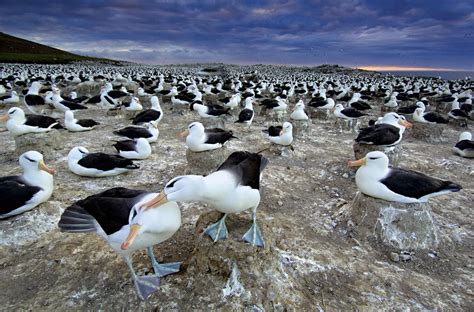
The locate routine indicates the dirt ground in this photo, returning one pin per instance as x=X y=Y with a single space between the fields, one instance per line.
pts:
x=310 y=261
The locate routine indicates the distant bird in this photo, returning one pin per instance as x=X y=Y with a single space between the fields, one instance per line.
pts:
x=13 y=98
x=115 y=216
x=18 y=123
x=32 y=98
x=150 y=132
x=133 y=105
x=209 y=111
x=348 y=113
x=199 y=139
x=430 y=117
x=22 y=193
x=247 y=114
x=233 y=188
x=299 y=113
x=155 y=113
x=465 y=145
x=97 y=165
x=281 y=135
x=375 y=178
x=60 y=104
x=78 y=125
x=133 y=149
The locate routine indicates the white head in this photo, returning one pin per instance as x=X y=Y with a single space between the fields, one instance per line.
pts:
x=194 y=128
x=155 y=103
x=152 y=124
x=421 y=105
x=32 y=161
x=396 y=120
x=287 y=128
x=77 y=153
x=465 y=136
x=73 y=95
x=14 y=113
x=377 y=160
x=299 y=105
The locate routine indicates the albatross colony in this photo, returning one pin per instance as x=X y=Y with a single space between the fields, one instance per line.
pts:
x=308 y=261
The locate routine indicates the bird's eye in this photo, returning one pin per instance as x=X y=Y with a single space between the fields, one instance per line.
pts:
x=30 y=159
x=373 y=158
x=12 y=112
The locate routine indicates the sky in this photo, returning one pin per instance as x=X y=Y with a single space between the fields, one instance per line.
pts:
x=393 y=33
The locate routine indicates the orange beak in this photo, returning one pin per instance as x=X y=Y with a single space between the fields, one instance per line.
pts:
x=406 y=124
x=157 y=201
x=184 y=133
x=134 y=230
x=4 y=118
x=356 y=163
x=42 y=166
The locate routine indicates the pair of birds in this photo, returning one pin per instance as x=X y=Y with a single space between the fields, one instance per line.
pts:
x=134 y=219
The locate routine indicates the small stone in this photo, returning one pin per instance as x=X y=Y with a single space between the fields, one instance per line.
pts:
x=394 y=257
x=405 y=257
x=280 y=203
x=345 y=176
x=249 y=259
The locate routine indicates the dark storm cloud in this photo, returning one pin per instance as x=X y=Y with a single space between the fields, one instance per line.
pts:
x=350 y=32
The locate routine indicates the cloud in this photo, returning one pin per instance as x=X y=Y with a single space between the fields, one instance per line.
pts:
x=348 y=32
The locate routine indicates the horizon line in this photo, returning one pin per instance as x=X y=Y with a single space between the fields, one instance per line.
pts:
x=401 y=68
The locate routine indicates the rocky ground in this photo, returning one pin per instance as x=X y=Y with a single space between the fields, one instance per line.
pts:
x=310 y=261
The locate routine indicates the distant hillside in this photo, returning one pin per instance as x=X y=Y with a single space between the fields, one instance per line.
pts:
x=17 y=50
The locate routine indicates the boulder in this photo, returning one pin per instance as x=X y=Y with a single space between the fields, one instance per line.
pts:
x=396 y=225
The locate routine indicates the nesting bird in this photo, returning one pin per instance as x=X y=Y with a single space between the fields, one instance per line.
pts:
x=281 y=135
x=388 y=132
x=150 y=133
x=375 y=178
x=133 y=149
x=199 y=139
x=18 y=123
x=22 y=193
x=155 y=113
x=97 y=165
x=78 y=125
x=465 y=145
x=299 y=113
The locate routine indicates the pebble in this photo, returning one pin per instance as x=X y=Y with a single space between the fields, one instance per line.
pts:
x=405 y=257
x=394 y=257
x=345 y=176
x=280 y=203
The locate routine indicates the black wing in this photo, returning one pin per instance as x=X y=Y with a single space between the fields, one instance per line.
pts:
x=246 y=166
x=14 y=193
x=274 y=131
x=106 y=162
x=435 y=117
x=216 y=135
x=352 y=112
x=360 y=106
x=134 y=132
x=94 y=100
x=381 y=134
x=465 y=145
x=115 y=94
x=32 y=99
x=146 y=116
x=407 y=109
x=245 y=115
x=127 y=145
x=87 y=123
x=72 y=105
x=416 y=184
x=111 y=209
x=41 y=121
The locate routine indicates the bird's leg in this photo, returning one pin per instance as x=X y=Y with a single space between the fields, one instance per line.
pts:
x=144 y=285
x=254 y=235
x=162 y=269
x=217 y=230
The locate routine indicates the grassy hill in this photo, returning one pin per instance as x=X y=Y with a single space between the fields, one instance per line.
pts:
x=17 y=50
